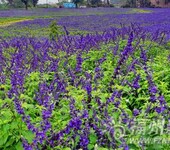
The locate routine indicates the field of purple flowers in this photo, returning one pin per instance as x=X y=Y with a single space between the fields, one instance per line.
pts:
x=85 y=79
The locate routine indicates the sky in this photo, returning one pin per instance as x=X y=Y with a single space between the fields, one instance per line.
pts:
x=50 y=1
x=55 y=1
x=45 y=1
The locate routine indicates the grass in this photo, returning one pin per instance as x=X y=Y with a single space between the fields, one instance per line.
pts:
x=4 y=22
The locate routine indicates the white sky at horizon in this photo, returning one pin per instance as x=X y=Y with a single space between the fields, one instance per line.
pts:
x=55 y=1
x=43 y=1
x=47 y=1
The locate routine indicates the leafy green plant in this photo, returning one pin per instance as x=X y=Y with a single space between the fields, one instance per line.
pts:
x=55 y=31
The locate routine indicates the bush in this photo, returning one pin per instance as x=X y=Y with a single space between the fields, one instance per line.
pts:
x=125 y=6
x=111 y=5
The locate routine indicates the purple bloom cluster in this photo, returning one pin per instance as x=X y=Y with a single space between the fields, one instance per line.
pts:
x=153 y=90
x=136 y=82
x=85 y=20
x=124 y=55
x=99 y=104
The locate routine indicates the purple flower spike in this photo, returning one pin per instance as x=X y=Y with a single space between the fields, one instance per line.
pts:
x=84 y=142
x=136 y=112
x=136 y=82
x=153 y=89
x=159 y=109
x=126 y=147
x=79 y=63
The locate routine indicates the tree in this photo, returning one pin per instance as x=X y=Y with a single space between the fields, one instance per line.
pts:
x=34 y=2
x=167 y=1
x=25 y=3
x=20 y=3
x=10 y=2
x=140 y=3
x=95 y=2
x=131 y=3
x=76 y=2
x=2 y=1
x=144 y=3
x=88 y=2
x=108 y=2
x=14 y=3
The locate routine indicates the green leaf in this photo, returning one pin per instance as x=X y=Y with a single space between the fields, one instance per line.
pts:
x=14 y=125
x=90 y=146
x=67 y=148
x=28 y=106
x=102 y=148
x=155 y=147
x=18 y=146
x=93 y=138
x=10 y=142
x=133 y=147
x=3 y=139
x=28 y=135
x=6 y=113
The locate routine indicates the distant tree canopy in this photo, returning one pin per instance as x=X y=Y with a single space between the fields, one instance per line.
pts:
x=143 y=3
x=77 y=2
x=10 y=2
x=91 y=2
x=14 y=3
x=135 y=3
x=25 y=2
x=34 y=2
x=129 y=3
x=21 y=3
x=95 y=2
x=167 y=1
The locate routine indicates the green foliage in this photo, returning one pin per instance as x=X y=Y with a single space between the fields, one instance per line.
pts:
x=55 y=31
x=95 y=2
x=13 y=129
x=77 y=2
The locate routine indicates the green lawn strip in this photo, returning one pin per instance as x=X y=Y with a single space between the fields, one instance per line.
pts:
x=9 y=21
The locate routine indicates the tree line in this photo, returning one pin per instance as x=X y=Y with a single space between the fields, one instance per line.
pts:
x=145 y=3
x=20 y=3
x=28 y=3
x=90 y=3
x=126 y=3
